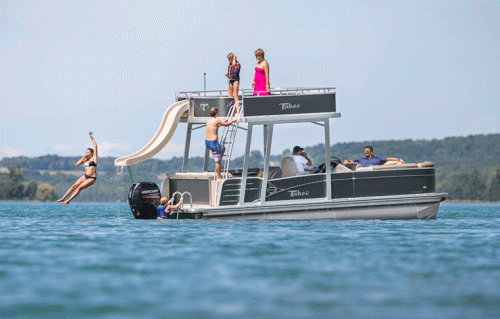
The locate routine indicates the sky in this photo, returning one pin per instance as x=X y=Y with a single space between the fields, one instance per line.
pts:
x=401 y=69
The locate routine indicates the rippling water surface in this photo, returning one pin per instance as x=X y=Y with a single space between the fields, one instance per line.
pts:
x=94 y=260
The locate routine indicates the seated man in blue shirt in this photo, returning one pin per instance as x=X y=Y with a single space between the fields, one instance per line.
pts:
x=371 y=160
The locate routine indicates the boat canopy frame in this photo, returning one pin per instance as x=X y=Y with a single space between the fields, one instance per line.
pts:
x=267 y=121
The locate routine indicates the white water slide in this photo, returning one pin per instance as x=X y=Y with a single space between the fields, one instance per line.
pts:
x=161 y=138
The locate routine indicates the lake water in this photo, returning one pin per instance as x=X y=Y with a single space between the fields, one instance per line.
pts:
x=94 y=260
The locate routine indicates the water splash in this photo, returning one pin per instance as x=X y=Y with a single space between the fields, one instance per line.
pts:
x=119 y=170
x=118 y=182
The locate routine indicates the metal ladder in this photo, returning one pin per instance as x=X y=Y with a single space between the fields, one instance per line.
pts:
x=228 y=136
x=229 y=132
x=176 y=211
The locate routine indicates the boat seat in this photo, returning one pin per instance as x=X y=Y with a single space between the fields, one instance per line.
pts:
x=340 y=168
x=387 y=165
x=394 y=166
x=425 y=164
x=275 y=172
x=352 y=166
x=288 y=167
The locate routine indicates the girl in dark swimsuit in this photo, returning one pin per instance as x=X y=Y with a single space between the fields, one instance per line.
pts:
x=233 y=73
x=90 y=162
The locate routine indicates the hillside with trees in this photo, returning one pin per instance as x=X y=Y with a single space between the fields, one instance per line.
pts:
x=468 y=168
x=13 y=186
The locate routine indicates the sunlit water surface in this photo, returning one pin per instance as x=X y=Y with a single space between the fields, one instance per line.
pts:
x=95 y=260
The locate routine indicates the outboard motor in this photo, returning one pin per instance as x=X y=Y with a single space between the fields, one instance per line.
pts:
x=144 y=198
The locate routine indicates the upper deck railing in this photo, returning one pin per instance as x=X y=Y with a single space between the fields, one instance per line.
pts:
x=250 y=92
x=277 y=102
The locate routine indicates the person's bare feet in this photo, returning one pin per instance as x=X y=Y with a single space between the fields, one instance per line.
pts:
x=60 y=200
x=66 y=202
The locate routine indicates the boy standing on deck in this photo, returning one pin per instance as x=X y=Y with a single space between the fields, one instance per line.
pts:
x=211 y=140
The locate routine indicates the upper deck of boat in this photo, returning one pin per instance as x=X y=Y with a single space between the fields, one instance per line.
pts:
x=282 y=105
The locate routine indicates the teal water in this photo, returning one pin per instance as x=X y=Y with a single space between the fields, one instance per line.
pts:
x=93 y=260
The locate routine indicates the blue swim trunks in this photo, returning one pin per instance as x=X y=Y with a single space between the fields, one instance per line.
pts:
x=216 y=149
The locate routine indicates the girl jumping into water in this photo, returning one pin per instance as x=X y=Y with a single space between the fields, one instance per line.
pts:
x=89 y=178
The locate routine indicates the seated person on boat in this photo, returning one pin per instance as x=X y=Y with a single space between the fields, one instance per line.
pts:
x=371 y=160
x=301 y=160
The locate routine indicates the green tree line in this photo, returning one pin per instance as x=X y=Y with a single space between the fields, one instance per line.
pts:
x=13 y=186
x=466 y=167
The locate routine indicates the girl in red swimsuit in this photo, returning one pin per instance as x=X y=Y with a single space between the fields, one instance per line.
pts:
x=90 y=162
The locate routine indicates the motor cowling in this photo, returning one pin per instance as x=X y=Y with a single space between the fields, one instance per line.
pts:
x=144 y=198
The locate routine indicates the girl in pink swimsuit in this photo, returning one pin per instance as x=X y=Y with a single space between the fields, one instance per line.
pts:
x=261 y=77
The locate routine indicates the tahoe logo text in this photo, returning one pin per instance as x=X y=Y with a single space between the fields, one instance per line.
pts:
x=286 y=106
x=296 y=193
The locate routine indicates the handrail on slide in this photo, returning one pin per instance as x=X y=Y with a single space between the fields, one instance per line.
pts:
x=160 y=139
